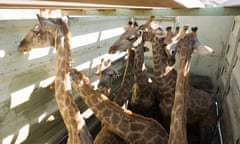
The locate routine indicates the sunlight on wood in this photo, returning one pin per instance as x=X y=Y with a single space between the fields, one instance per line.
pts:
x=21 y=96
x=47 y=82
x=2 y=53
x=8 y=139
x=23 y=134
x=83 y=40
x=50 y=118
x=42 y=117
x=111 y=33
x=38 y=53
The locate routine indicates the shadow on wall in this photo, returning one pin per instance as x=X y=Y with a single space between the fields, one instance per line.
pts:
x=35 y=114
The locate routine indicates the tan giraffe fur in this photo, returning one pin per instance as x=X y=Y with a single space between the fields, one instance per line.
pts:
x=133 y=128
x=75 y=124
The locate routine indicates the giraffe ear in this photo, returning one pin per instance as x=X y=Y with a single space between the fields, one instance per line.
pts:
x=111 y=72
x=65 y=19
x=47 y=24
x=203 y=49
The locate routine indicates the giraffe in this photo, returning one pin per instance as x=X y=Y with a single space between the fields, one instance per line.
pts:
x=133 y=128
x=178 y=127
x=121 y=98
x=120 y=45
x=105 y=75
x=143 y=96
x=200 y=105
x=185 y=47
x=105 y=135
x=75 y=124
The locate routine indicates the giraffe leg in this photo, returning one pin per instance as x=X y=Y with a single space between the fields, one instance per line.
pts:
x=206 y=135
x=207 y=126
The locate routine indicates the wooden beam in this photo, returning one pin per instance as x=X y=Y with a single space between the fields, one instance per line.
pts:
x=157 y=12
x=83 y=4
x=137 y=3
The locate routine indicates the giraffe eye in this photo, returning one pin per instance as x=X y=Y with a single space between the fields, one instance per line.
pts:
x=172 y=51
x=140 y=32
x=132 y=37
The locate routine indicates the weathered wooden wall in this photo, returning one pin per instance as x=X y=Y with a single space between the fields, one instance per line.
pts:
x=229 y=85
x=28 y=111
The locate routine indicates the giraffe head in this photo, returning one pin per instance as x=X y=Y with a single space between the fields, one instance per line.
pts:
x=157 y=37
x=191 y=41
x=105 y=75
x=122 y=44
x=36 y=38
x=125 y=41
x=188 y=44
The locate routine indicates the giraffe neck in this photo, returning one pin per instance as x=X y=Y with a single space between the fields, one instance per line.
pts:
x=142 y=90
x=140 y=75
x=129 y=126
x=165 y=75
x=178 y=134
x=160 y=66
x=123 y=92
x=75 y=124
